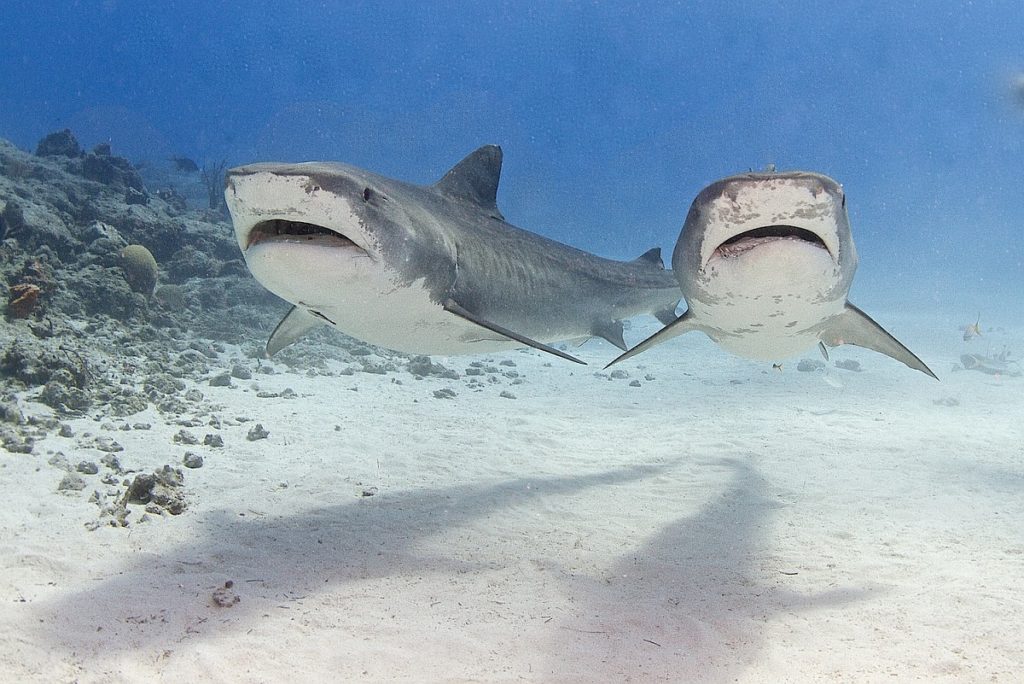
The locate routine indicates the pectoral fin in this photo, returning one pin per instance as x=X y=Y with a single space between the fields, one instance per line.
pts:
x=296 y=323
x=682 y=324
x=611 y=331
x=855 y=327
x=667 y=316
x=453 y=307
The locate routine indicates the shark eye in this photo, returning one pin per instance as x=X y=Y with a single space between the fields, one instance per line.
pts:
x=371 y=195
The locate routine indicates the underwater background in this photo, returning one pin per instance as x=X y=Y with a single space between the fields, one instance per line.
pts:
x=178 y=507
x=612 y=115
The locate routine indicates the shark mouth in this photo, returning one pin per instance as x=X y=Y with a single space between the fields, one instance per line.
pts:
x=282 y=230
x=747 y=240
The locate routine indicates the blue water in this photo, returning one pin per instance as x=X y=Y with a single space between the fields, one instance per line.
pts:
x=612 y=115
x=713 y=519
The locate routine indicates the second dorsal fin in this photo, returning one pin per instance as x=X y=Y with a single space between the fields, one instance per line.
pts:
x=475 y=179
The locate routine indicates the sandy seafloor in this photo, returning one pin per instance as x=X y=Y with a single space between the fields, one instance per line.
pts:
x=721 y=522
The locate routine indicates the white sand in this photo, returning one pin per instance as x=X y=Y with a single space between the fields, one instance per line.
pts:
x=723 y=522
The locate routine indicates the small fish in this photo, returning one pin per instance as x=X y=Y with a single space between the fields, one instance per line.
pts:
x=996 y=364
x=184 y=164
x=777 y=366
x=972 y=331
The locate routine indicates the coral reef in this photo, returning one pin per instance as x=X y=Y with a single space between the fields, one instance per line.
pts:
x=105 y=168
x=140 y=269
x=59 y=144
x=90 y=338
x=213 y=179
x=88 y=330
x=22 y=300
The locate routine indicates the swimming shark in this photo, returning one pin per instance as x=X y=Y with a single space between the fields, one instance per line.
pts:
x=430 y=269
x=765 y=262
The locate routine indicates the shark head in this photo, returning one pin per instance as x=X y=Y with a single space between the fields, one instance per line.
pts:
x=764 y=259
x=347 y=246
x=765 y=262
x=308 y=227
x=767 y=233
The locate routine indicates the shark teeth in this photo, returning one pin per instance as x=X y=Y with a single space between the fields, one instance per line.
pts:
x=747 y=240
x=292 y=231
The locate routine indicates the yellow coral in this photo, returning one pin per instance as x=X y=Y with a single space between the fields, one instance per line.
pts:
x=139 y=268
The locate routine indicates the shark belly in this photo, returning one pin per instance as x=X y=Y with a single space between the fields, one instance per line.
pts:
x=769 y=303
x=364 y=299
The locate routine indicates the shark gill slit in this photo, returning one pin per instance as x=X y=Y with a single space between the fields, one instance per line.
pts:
x=320 y=315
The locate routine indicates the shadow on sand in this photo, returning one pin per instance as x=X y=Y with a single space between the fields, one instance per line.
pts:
x=692 y=602
x=160 y=598
x=688 y=604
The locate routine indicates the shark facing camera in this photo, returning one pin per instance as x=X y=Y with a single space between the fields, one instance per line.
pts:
x=428 y=269
x=765 y=262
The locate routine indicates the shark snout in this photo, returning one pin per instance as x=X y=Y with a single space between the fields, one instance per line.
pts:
x=735 y=216
x=273 y=203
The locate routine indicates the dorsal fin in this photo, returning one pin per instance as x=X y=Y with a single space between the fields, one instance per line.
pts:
x=475 y=178
x=652 y=256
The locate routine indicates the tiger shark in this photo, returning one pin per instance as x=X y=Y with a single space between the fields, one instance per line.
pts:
x=430 y=269
x=765 y=262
